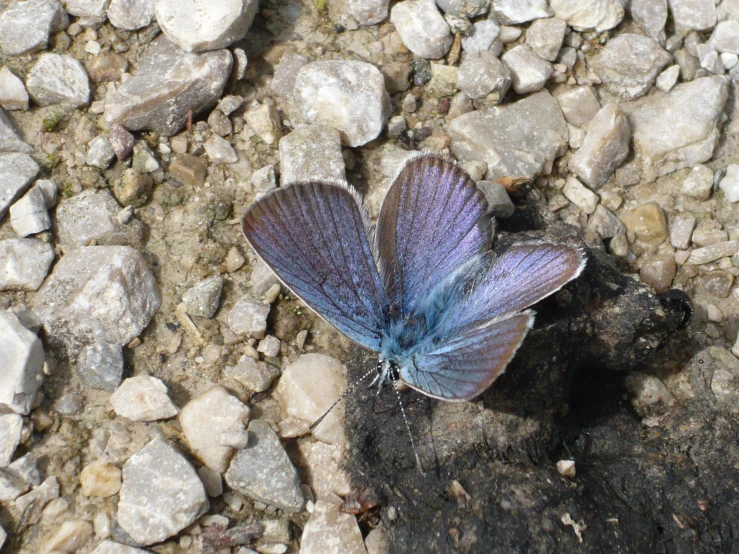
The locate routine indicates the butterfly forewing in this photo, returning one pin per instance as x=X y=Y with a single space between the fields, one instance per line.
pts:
x=464 y=366
x=313 y=237
x=432 y=220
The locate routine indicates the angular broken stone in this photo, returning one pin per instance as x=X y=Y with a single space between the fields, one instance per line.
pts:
x=698 y=183
x=24 y=263
x=100 y=152
x=545 y=37
x=264 y=121
x=580 y=195
x=464 y=8
x=103 y=293
x=168 y=83
x=650 y=16
x=725 y=37
x=534 y=125
x=481 y=37
x=422 y=28
x=589 y=15
x=286 y=72
x=629 y=64
x=220 y=151
x=331 y=531
x=121 y=141
x=367 y=12
x=481 y=75
x=528 y=71
x=10 y=436
x=143 y=398
x=161 y=494
x=28 y=215
x=311 y=153
x=513 y=12
x=346 y=95
x=26 y=26
x=17 y=172
x=198 y=25
x=678 y=129
x=254 y=375
x=100 y=366
x=681 y=230
x=131 y=15
x=90 y=12
x=263 y=471
x=56 y=79
x=695 y=15
x=605 y=223
x=13 y=95
x=92 y=215
x=203 y=298
x=10 y=140
x=204 y=419
x=23 y=360
x=579 y=105
x=714 y=252
x=499 y=203
x=605 y=147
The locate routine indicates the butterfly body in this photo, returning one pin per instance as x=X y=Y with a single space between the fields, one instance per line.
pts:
x=423 y=288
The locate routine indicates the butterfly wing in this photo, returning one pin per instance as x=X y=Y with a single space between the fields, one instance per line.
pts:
x=521 y=276
x=464 y=366
x=432 y=220
x=314 y=237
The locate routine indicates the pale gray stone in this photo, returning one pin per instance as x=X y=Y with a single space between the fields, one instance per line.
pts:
x=254 y=375
x=198 y=25
x=729 y=60
x=605 y=147
x=204 y=419
x=24 y=263
x=464 y=8
x=264 y=180
x=678 y=129
x=589 y=15
x=730 y=183
x=92 y=215
x=90 y=12
x=689 y=64
x=681 y=230
x=529 y=72
x=56 y=79
x=50 y=191
x=161 y=494
x=23 y=360
x=202 y=299
x=629 y=64
x=13 y=95
x=283 y=81
x=168 y=83
x=668 y=78
x=26 y=26
x=311 y=153
x=10 y=140
x=32 y=504
x=705 y=235
x=28 y=215
x=499 y=203
x=100 y=366
x=709 y=59
x=605 y=223
x=10 y=436
x=481 y=75
x=331 y=531
x=269 y=346
x=534 y=125
x=131 y=15
x=422 y=28
x=262 y=278
x=143 y=398
x=651 y=16
x=248 y=317
x=264 y=121
x=367 y=12
x=396 y=126
x=110 y=547
x=263 y=471
x=144 y=160
x=481 y=37
x=545 y=37
x=697 y=15
x=649 y=396
x=713 y=252
x=725 y=37
x=579 y=104
x=17 y=171
x=100 y=152
x=346 y=95
x=513 y=12
x=103 y=293
x=220 y=151
x=580 y=196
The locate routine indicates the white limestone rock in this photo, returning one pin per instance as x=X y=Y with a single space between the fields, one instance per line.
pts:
x=100 y=366
x=695 y=15
x=131 y=15
x=264 y=121
x=254 y=375
x=71 y=536
x=24 y=263
x=206 y=418
x=92 y=215
x=650 y=16
x=168 y=83
x=17 y=171
x=422 y=28
x=220 y=151
x=499 y=203
x=529 y=72
x=579 y=104
x=25 y=27
x=28 y=215
x=514 y=12
x=203 y=298
x=103 y=293
x=346 y=95
x=263 y=471
x=330 y=531
x=311 y=153
x=143 y=398
x=481 y=37
x=709 y=59
x=589 y=15
x=10 y=140
x=668 y=78
x=110 y=547
x=725 y=37
x=23 y=360
x=100 y=152
x=13 y=95
x=90 y=12
x=56 y=79
x=161 y=494
x=308 y=387
x=248 y=317
x=730 y=183
x=545 y=37
x=464 y=8
x=482 y=75
x=534 y=125
x=580 y=195
x=367 y=12
x=10 y=436
x=605 y=147
x=198 y=25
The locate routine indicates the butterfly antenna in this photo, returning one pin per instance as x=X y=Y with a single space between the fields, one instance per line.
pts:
x=351 y=387
x=407 y=425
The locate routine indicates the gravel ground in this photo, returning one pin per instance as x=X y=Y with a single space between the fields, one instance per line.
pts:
x=156 y=381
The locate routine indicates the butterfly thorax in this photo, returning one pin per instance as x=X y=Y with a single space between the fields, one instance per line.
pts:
x=405 y=336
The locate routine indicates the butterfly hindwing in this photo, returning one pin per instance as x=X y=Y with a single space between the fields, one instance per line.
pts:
x=464 y=366
x=432 y=220
x=314 y=237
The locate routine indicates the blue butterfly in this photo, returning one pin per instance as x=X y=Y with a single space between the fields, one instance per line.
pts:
x=422 y=288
